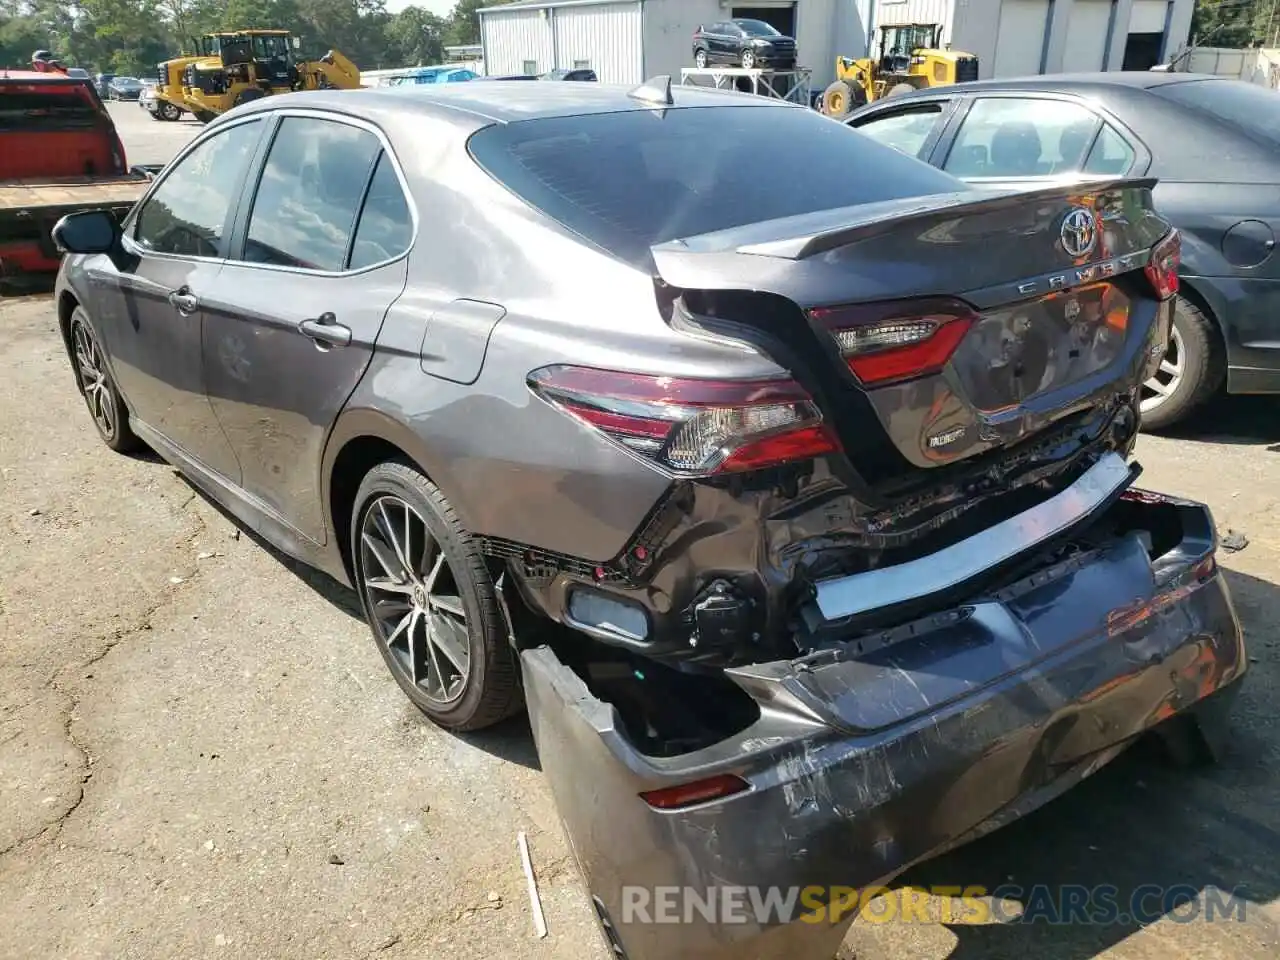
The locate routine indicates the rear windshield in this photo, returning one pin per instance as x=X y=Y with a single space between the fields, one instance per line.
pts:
x=629 y=180
x=1254 y=109
x=54 y=108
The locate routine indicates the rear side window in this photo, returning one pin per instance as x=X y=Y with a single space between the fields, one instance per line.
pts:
x=629 y=180
x=60 y=106
x=1013 y=137
x=1111 y=153
x=1252 y=108
x=310 y=193
x=907 y=131
x=386 y=226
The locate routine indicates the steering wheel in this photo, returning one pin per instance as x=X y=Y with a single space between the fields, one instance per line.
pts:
x=182 y=239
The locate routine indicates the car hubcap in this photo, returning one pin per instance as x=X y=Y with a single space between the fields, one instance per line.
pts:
x=1169 y=377
x=748 y=60
x=414 y=599
x=700 y=59
x=93 y=379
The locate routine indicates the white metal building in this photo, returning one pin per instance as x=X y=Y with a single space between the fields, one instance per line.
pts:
x=628 y=41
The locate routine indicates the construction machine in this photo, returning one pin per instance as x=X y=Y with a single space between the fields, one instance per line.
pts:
x=258 y=63
x=169 y=103
x=909 y=57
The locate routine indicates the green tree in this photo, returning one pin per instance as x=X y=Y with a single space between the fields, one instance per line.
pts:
x=415 y=37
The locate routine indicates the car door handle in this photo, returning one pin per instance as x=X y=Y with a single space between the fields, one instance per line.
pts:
x=326 y=329
x=184 y=301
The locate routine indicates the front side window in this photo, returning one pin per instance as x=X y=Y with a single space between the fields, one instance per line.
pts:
x=1016 y=138
x=187 y=213
x=757 y=28
x=310 y=193
x=907 y=131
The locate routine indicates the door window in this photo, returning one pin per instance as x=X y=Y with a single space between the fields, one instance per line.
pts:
x=1017 y=138
x=386 y=225
x=905 y=130
x=1111 y=153
x=310 y=192
x=187 y=214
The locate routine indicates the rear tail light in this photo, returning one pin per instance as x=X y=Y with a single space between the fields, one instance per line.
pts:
x=887 y=342
x=690 y=426
x=1162 y=269
x=700 y=791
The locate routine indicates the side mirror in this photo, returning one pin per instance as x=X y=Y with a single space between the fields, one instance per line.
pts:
x=92 y=231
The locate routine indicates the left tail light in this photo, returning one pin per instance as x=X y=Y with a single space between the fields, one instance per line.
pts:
x=900 y=340
x=692 y=427
x=1162 y=268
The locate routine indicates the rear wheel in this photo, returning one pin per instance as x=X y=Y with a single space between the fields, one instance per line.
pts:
x=1191 y=372
x=898 y=89
x=430 y=601
x=107 y=408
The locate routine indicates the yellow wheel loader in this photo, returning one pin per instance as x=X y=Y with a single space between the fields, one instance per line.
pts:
x=909 y=58
x=169 y=103
x=259 y=63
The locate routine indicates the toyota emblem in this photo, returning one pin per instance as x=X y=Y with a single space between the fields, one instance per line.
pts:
x=1079 y=235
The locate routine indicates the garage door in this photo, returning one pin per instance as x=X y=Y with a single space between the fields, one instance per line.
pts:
x=1148 y=16
x=1020 y=39
x=1086 y=36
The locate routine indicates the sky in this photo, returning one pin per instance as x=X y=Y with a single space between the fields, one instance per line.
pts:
x=441 y=7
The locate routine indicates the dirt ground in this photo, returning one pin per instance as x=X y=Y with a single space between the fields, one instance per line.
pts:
x=202 y=755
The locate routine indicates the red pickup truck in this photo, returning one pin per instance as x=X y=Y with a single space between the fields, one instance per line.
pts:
x=59 y=153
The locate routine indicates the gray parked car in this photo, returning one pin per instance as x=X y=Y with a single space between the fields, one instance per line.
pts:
x=799 y=514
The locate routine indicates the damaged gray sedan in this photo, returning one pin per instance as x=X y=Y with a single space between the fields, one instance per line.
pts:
x=799 y=510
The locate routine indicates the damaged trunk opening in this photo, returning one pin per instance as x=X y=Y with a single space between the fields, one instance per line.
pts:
x=672 y=709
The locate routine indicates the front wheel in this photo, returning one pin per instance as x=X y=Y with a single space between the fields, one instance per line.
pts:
x=837 y=99
x=748 y=60
x=430 y=601
x=1192 y=370
x=110 y=415
x=700 y=59
x=169 y=111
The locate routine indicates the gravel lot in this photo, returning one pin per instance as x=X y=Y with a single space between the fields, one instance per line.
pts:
x=201 y=753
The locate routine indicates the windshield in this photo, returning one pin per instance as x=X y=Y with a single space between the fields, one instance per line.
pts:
x=629 y=180
x=127 y=82
x=1253 y=109
x=46 y=107
x=270 y=47
x=757 y=28
x=210 y=46
x=903 y=40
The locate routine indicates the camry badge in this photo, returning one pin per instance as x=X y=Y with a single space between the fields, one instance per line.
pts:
x=1079 y=234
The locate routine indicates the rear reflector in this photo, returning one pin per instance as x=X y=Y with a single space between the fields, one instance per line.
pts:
x=689 y=426
x=900 y=340
x=1162 y=268
x=700 y=791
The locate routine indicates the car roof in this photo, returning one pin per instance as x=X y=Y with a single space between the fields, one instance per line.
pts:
x=507 y=101
x=1128 y=79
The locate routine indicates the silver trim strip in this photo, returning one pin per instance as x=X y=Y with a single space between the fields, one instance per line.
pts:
x=843 y=597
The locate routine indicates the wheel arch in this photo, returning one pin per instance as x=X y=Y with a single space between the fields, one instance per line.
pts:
x=360 y=441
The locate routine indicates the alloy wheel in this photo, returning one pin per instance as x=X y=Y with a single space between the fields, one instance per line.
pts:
x=414 y=600
x=748 y=60
x=1168 y=378
x=99 y=395
x=700 y=59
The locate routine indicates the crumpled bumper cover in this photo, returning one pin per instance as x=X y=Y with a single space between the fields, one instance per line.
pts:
x=939 y=759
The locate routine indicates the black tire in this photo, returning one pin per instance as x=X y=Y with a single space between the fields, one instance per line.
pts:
x=1203 y=365
x=838 y=100
x=98 y=388
x=167 y=111
x=490 y=691
x=700 y=59
x=748 y=60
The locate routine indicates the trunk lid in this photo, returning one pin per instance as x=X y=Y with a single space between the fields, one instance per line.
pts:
x=958 y=323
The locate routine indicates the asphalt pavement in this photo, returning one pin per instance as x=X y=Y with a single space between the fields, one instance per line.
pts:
x=202 y=755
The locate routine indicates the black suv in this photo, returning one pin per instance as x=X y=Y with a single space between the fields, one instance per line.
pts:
x=745 y=43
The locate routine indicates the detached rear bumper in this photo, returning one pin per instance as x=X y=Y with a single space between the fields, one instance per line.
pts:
x=975 y=718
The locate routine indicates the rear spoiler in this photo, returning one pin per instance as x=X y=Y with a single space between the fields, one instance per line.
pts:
x=940 y=245
x=795 y=238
